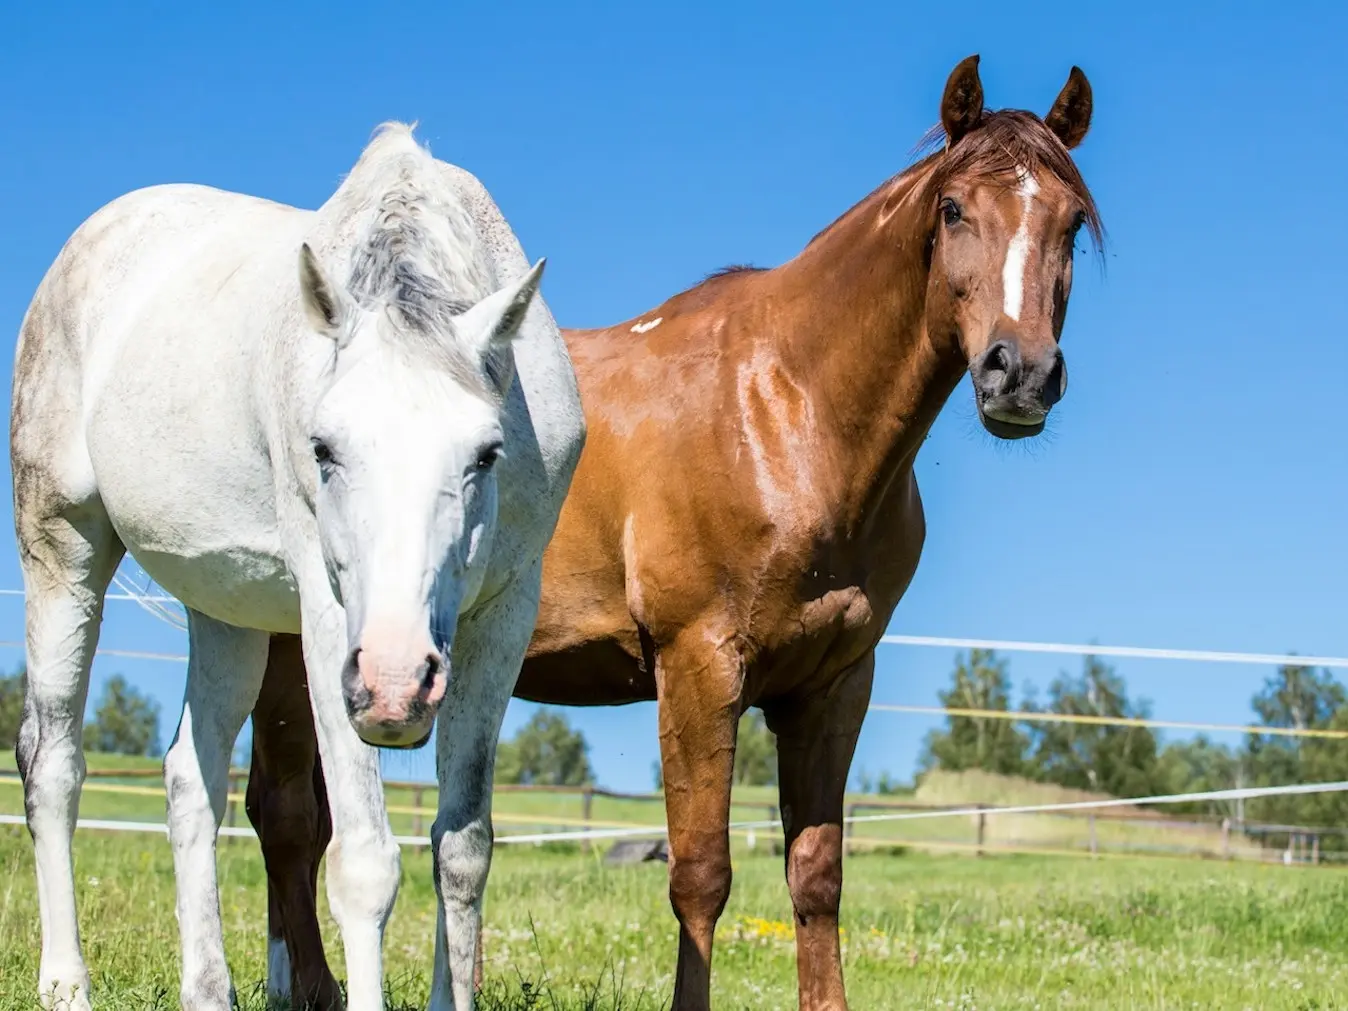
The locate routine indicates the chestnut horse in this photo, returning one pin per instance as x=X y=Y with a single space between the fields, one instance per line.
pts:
x=745 y=518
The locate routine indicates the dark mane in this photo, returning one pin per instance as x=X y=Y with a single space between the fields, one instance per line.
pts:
x=1002 y=141
x=734 y=268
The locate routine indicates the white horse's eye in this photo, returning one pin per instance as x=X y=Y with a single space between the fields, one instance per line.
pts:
x=487 y=458
x=322 y=453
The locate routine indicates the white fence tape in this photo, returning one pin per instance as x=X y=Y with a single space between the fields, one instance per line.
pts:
x=1137 y=652
x=578 y=835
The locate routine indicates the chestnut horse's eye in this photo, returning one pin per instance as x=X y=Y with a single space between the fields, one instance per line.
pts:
x=951 y=213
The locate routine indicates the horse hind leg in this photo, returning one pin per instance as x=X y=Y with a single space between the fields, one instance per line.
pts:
x=816 y=739
x=68 y=551
x=287 y=805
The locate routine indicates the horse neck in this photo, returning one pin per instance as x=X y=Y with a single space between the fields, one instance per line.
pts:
x=877 y=379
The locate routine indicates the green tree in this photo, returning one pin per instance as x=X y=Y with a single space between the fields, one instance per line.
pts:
x=545 y=751
x=755 y=751
x=11 y=707
x=977 y=742
x=1325 y=760
x=884 y=783
x=1298 y=697
x=1302 y=698
x=125 y=722
x=1199 y=765
x=1111 y=759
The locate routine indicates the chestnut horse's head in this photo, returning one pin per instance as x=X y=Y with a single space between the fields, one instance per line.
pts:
x=1007 y=203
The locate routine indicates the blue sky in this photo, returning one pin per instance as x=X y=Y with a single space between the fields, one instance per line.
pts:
x=1191 y=491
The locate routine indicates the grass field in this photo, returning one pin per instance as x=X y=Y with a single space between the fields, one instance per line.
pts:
x=922 y=930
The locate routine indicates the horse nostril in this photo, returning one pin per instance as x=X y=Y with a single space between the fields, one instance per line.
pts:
x=430 y=668
x=356 y=691
x=1055 y=384
x=999 y=360
x=1000 y=370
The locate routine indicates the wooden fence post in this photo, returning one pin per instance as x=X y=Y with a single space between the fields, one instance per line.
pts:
x=849 y=826
x=416 y=803
x=1226 y=838
x=1095 y=848
x=982 y=828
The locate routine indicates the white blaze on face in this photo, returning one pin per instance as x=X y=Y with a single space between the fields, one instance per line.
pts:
x=1018 y=250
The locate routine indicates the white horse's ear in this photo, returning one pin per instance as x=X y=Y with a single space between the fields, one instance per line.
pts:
x=322 y=304
x=495 y=321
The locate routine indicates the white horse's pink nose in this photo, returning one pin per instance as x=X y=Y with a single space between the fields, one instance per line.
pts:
x=393 y=690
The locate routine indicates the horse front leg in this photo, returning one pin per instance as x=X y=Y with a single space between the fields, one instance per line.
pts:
x=700 y=681
x=489 y=648
x=364 y=863
x=224 y=673
x=816 y=738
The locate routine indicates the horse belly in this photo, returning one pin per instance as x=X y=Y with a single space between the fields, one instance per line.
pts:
x=237 y=585
x=217 y=549
x=199 y=515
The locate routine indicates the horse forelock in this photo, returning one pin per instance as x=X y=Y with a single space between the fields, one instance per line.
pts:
x=416 y=255
x=1007 y=142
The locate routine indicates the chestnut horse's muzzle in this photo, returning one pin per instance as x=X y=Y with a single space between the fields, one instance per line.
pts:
x=1015 y=391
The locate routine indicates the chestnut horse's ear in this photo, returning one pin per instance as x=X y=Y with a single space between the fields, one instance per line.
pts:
x=962 y=103
x=1070 y=116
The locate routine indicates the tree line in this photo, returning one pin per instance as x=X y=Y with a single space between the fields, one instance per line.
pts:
x=1124 y=761
x=124 y=722
x=1133 y=761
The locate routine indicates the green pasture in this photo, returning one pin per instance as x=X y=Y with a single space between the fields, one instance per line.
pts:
x=922 y=929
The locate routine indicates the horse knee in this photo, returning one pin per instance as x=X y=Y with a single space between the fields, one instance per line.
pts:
x=699 y=885
x=51 y=766
x=814 y=872
x=287 y=813
x=363 y=879
x=184 y=782
x=461 y=859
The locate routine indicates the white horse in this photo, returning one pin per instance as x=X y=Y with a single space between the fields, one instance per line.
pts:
x=336 y=422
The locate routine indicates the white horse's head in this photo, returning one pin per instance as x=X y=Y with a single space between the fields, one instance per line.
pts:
x=406 y=437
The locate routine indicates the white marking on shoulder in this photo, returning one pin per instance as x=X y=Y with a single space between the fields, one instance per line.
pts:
x=643 y=327
x=1018 y=250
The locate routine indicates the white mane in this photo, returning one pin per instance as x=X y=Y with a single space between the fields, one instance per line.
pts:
x=414 y=249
